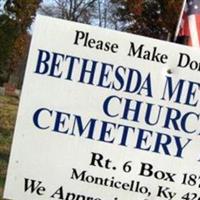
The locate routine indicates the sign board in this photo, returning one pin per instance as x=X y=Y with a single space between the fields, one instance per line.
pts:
x=106 y=115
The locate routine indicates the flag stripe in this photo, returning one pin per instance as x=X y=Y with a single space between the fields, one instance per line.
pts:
x=198 y=26
x=193 y=30
x=190 y=26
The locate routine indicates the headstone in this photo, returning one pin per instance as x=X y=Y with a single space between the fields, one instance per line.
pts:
x=9 y=89
x=2 y=91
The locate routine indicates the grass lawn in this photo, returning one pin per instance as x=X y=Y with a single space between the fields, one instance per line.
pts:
x=8 y=111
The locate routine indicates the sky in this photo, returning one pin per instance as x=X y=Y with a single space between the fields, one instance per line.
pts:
x=47 y=1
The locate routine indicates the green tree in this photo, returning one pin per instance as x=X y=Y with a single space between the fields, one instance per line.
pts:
x=8 y=34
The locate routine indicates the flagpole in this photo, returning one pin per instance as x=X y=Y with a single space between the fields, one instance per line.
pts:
x=179 y=21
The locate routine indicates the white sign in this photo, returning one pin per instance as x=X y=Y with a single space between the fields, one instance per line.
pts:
x=106 y=115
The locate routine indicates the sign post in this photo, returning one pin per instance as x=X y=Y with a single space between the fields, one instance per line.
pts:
x=100 y=117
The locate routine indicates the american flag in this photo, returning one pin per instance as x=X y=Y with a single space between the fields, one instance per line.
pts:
x=190 y=25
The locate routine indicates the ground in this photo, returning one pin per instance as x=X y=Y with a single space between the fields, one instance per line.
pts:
x=8 y=110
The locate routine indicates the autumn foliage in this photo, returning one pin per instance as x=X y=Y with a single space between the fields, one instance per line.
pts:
x=14 y=36
x=153 y=18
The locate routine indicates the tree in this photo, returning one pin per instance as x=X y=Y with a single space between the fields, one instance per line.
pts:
x=95 y=12
x=15 y=21
x=73 y=10
x=8 y=34
x=153 y=18
x=105 y=14
x=18 y=56
x=22 y=12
